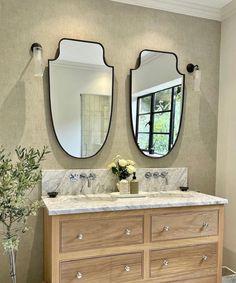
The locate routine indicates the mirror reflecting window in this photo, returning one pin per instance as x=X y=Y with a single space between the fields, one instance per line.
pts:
x=81 y=91
x=157 y=97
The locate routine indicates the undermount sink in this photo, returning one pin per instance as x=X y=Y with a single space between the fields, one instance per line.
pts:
x=170 y=194
x=94 y=197
x=116 y=196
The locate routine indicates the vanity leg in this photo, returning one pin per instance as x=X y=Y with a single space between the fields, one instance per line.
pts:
x=51 y=248
x=220 y=244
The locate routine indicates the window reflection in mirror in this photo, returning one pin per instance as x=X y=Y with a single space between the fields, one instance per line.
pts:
x=157 y=90
x=81 y=87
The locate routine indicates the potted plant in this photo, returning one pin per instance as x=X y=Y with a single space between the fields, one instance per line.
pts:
x=17 y=181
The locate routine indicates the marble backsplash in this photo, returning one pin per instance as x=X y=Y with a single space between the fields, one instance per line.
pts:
x=69 y=182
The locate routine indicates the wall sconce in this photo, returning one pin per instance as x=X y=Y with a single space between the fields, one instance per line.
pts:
x=37 y=52
x=196 y=76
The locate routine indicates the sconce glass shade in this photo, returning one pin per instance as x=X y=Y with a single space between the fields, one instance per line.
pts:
x=197 y=80
x=38 y=61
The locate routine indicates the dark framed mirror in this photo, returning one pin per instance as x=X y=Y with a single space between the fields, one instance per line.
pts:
x=156 y=102
x=81 y=96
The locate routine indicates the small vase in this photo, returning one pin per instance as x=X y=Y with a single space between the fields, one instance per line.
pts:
x=12 y=264
x=123 y=187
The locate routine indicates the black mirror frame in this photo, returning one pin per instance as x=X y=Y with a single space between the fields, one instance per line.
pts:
x=112 y=95
x=130 y=102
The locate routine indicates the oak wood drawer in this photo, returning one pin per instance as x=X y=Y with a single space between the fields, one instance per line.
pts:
x=187 y=224
x=127 y=267
x=118 y=268
x=171 y=265
x=86 y=234
x=199 y=280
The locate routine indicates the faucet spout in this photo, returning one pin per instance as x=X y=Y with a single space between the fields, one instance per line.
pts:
x=164 y=176
x=91 y=177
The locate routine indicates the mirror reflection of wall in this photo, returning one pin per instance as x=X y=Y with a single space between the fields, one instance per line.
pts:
x=156 y=102
x=81 y=97
x=95 y=117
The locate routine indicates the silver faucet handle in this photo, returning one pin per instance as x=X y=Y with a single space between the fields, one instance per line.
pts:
x=74 y=177
x=83 y=176
x=92 y=176
x=164 y=174
x=156 y=175
x=148 y=175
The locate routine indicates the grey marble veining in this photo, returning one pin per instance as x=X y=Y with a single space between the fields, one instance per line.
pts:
x=83 y=204
x=176 y=177
x=105 y=182
x=59 y=180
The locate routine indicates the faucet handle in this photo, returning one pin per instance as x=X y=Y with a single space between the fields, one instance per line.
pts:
x=156 y=175
x=164 y=174
x=74 y=177
x=92 y=176
x=83 y=176
x=148 y=175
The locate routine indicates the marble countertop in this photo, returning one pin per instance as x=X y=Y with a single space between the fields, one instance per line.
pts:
x=73 y=204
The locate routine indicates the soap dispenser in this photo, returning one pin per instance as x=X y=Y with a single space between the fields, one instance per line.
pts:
x=134 y=185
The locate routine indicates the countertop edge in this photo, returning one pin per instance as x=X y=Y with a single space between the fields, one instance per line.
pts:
x=55 y=212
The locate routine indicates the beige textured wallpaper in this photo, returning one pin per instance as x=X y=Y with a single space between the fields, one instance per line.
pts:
x=124 y=31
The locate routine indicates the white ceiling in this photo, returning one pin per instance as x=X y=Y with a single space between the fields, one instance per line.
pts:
x=209 y=9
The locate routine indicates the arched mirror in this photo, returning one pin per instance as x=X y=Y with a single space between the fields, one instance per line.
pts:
x=81 y=91
x=157 y=98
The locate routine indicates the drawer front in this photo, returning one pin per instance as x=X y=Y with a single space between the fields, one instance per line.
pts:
x=184 y=225
x=127 y=268
x=119 y=268
x=184 y=263
x=199 y=280
x=91 y=234
x=96 y=270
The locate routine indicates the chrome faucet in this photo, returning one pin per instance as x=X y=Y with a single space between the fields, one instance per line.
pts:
x=89 y=178
x=74 y=177
x=162 y=175
x=148 y=175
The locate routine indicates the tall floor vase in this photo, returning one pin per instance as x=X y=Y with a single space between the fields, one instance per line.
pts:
x=12 y=264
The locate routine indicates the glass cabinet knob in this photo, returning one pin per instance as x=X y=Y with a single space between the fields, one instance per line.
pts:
x=204 y=258
x=165 y=262
x=80 y=236
x=166 y=228
x=79 y=275
x=127 y=232
x=127 y=268
x=205 y=225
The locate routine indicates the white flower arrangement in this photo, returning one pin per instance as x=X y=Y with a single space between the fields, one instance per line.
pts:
x=122 y=168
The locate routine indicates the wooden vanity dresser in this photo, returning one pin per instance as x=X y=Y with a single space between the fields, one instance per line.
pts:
x=145 y=245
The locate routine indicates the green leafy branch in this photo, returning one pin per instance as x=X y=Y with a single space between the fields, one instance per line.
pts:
x=17 y=181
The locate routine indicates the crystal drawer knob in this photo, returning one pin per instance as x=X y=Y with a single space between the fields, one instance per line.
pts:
x=166 y=228
x=165 y=262
x=80 y=237
x=205 y=225
x=204 y=258
x=127 y=232
x=127 y=268
x=79 y=275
